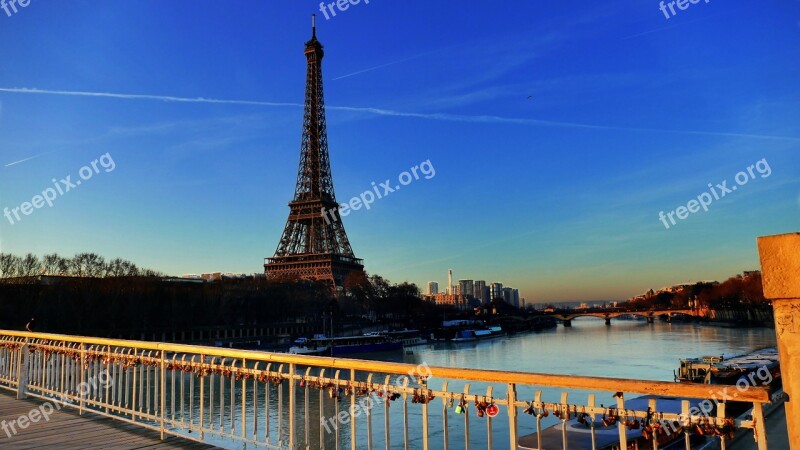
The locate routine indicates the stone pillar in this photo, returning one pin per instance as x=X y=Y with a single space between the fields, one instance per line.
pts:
x=568 y=323
x=780 y=271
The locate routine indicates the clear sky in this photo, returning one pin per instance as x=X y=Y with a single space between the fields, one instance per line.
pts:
x=558 y=132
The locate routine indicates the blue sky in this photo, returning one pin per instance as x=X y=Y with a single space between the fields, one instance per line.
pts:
x=558 y=131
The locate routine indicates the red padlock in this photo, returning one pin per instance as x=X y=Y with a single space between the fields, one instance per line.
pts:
x=492 y=410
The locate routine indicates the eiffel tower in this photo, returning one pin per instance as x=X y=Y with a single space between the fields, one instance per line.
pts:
x=314 y=246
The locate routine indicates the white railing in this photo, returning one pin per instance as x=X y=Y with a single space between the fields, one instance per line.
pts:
x=239 y=398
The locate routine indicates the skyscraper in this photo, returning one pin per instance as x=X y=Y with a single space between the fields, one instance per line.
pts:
x=496 y=291
x=466 y=288
x=480 y=287
x=433 y=287
x=450 y=281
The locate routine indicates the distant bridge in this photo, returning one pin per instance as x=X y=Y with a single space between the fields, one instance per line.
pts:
x=566 y=316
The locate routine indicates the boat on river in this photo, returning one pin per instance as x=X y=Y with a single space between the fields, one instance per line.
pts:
x=760 y=365
x=409 y=338
x=325 y=346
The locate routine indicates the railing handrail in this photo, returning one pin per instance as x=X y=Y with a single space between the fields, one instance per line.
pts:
x=755 y=394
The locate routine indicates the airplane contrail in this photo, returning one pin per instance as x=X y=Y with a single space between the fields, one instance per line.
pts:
x=26 y=159
x=164 y=98
x=384 y=65
x=446 y=117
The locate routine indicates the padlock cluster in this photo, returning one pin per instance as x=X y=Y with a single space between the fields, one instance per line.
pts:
x=90 y=356
x=653 y=425
x=483 y=406
x=11 y=346
x=348 y=389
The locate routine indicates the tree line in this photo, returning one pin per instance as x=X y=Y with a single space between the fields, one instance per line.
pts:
x=80 y=265
x=734 y=293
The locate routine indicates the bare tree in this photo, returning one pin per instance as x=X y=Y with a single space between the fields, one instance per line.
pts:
x=129 y=269
x=29 y=266
x=95 y=265
x=52 y=264
x=115 y=268
x=9 y=265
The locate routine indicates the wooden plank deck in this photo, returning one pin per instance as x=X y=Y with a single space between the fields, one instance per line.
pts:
x=65 y=429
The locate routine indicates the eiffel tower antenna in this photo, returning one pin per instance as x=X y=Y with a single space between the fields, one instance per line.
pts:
x=314 y=244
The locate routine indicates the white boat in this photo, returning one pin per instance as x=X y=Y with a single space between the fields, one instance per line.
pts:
x=311 y=347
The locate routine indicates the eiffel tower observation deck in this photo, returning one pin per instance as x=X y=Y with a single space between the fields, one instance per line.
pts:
x=313 y=247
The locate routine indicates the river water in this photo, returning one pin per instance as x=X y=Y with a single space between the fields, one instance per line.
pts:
x=629 y=349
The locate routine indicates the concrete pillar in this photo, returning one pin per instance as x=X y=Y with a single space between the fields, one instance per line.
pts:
x=568 y=323
x=608 y=321
x=780 y=271
x=651 y=319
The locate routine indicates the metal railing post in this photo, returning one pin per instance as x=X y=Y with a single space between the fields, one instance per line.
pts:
x=22 y=371
x=512 y=415
x=81 y=390
x=162 y=392
x=759 y=427
x=292 y=406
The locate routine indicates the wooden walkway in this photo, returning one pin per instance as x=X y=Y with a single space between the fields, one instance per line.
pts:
x=68 y=430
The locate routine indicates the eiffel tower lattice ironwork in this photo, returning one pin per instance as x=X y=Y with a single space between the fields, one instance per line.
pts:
x=314 y=244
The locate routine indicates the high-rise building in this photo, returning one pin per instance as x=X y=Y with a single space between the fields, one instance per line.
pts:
x=450 y=281
x=508 y=295
x=496 y=291
x=480 y=287
x=515 y=298
x=466 y=288
x=433 y=287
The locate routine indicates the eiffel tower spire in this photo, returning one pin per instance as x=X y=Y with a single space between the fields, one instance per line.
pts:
x=314 y=246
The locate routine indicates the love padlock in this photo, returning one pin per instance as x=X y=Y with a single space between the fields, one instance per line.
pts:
x=459 y=409
x=492 y=410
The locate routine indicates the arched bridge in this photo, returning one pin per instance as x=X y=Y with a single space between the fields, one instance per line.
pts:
x=566 y=316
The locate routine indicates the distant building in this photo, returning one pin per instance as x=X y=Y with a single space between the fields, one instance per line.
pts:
x=480 y=291
x=450 y=281
x=508 y=295
x=466 y=288
x=433 y=288
x=515 y=298
x=496 y=291
x=455 y=300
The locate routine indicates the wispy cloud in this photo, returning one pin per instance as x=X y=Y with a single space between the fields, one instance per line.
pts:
x=446 y=117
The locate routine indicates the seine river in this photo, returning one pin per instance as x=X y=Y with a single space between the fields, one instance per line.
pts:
x=626 y=349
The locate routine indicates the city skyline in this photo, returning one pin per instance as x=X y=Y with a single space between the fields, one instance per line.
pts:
x=563 y=134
